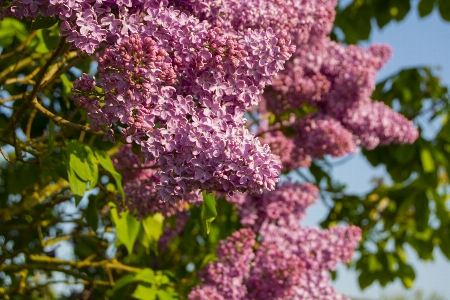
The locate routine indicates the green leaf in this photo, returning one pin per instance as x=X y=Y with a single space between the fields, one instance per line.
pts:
x=127 y=228
x=81 y=167
x=425 y=7
x=209 y=212
x=166 y=295
x=444 y=9
x=43 y=22
x=144 y=292
x=56 y=163
x=51 y=36
x=407 y=275
x=93 y=166
x=152 y=229
x=67 y=84
x=10 y=28
x=106 y=163
x=78 y=159
x=119 y=292
x=146 y=275
x=77 y=185
x=41 y=47
x=365 y=279
x=427 y=160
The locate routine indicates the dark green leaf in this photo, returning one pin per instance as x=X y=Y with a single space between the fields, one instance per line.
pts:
x=444 y=9
x=106 y=163
x=365 y=279
x=43 y=22
x=119 y=292
x=425 y=7
x=407 y=275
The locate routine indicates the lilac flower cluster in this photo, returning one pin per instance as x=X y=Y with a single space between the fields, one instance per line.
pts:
x=185 y=109
x=337 y=81
x=139 y=183
x=290 y=261
x=304 y=21
x=291 y=156
x=287 y=200
x=320 y=134
x=225 y=277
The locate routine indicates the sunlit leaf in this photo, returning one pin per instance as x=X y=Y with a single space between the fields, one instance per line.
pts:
x=209 y=212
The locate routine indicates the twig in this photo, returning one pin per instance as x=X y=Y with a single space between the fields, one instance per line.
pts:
x=62 y=71
x=12 y=98
x=5 y=156
x=30 y=122
x=24 y=107
x=21 y=47
x=63 y=121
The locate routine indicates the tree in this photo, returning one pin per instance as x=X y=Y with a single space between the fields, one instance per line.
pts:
x=414 y=210
x=170 y=157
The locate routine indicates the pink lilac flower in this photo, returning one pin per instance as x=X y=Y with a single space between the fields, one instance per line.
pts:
x=139 y=183
x=320 y=134
x=193 y=124
x=287 y=200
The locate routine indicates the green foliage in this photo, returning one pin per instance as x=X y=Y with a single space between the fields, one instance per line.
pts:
x=355 y=20
x=209 y=212
x=106 y=163
x=405 y=212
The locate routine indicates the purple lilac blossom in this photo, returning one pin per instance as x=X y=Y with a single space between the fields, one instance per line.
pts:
x=289 y=261
x=320 y=134
x=226 y=275
x=139 y=184
x=199 y=140
x=287 y=200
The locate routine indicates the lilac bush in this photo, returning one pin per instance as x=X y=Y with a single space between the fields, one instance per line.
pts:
x=222 y=96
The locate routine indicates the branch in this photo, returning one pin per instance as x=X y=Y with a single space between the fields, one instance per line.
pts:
x=24 y=107
x=21 y=47
x=32 y=199
x=63 y=121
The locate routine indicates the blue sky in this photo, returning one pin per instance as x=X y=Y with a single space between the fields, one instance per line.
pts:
x=416 y=42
